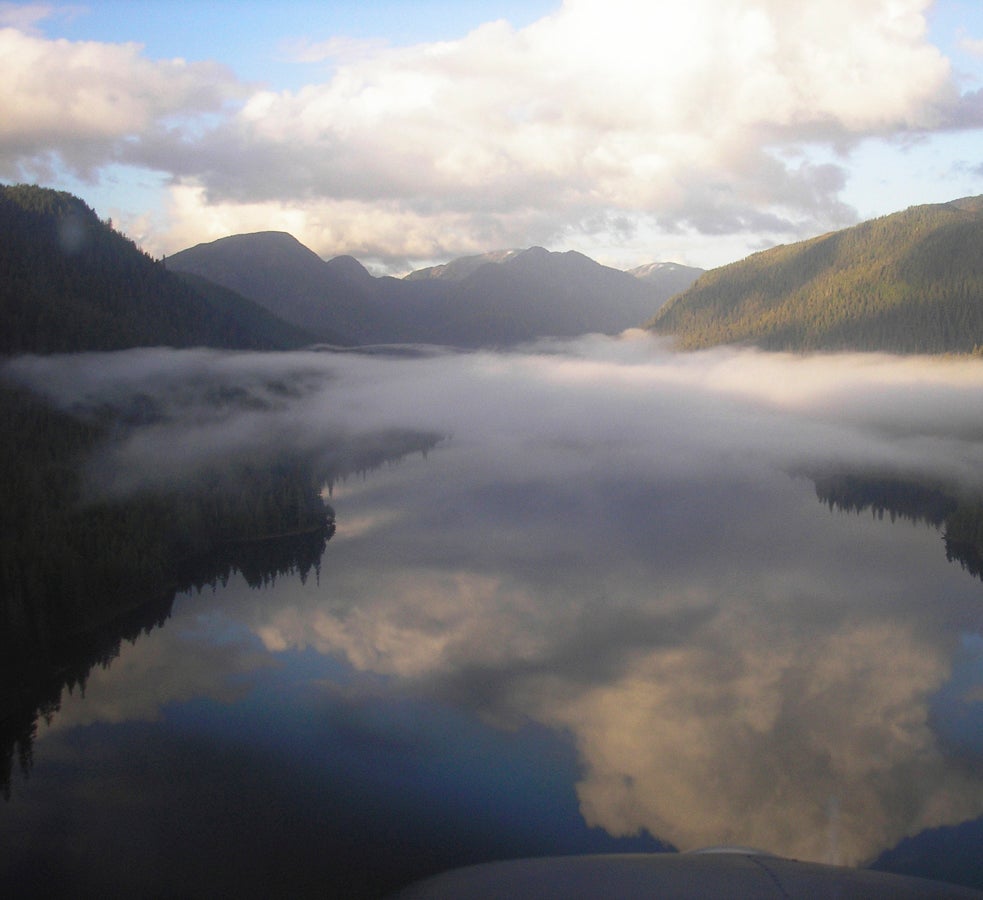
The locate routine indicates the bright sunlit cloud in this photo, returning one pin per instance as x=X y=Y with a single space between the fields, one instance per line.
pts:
x=626 y=130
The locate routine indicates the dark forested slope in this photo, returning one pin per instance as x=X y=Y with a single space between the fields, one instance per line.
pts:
x=70 y=282
x=911 y=282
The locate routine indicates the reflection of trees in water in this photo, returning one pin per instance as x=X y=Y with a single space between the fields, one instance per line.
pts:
x=963 y=538
x=63 y=664
x=958 y=514
x=261 y=560
x=59 y=662
x=75 y=576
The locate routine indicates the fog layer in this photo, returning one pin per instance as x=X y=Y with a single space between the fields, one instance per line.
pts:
x=619 y=542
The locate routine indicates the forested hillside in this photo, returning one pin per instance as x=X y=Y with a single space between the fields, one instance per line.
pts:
x=79 y=568
x=911 y=282
x=69 y=564
x=70 y=282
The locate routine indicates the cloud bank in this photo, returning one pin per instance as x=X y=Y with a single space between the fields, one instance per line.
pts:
x=601 y=121
x=767 y=410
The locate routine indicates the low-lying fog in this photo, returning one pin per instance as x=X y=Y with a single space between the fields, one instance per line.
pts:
x=621 y=543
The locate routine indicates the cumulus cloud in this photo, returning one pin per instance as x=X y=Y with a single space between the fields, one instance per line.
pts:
x=808 y=737
x=690 y=117
x=659 y=110
x=23 y=17
x=388 y=233
x=713 y=709
x=79 y=103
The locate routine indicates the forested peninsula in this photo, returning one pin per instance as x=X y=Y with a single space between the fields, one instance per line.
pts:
x=81 y=570
x=911 y=282
x=71 y=283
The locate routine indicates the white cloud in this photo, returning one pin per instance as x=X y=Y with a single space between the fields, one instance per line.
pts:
x=615 y=98
x=385 y=231
x=784 y=729
x=336 y=48
x=601 y=120
x=153 y=680
x=22 y=16
x=78 y=101
x=665 y=110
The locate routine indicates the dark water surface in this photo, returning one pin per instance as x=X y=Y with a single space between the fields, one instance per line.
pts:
x=609 y=611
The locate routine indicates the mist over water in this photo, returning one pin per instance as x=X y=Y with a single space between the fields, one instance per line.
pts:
x=613 y=541
x=596 y=395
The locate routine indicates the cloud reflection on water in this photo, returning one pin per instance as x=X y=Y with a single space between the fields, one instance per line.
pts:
x=163 y=667
x=701 y=714
x=611 y=543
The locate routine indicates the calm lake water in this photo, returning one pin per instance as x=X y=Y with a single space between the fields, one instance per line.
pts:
x=608 y=611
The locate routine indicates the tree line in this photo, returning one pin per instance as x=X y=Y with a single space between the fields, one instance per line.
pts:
x=911 y=282
x=956 y=512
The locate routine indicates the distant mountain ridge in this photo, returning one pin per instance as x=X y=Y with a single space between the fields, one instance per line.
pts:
x=671 y=278
x=492 y=299
x=69 y=282
x=461 y=267
x=910 y=282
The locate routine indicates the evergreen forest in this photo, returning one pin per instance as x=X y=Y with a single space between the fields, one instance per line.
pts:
x=911 y=282
x=80 y=570
x=70 y=282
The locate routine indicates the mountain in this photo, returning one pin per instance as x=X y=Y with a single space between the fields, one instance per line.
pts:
x=534 y=293
x=497 y=298
x=569 y=290
x=510 y=296
x=911 y=282
x=668 y=277
x=69 y=282
x=279 y=273
x=460 y=268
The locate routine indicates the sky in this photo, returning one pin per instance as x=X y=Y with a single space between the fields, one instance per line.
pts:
x=408 y=134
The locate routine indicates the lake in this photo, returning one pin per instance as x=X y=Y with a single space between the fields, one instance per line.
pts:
x=627 y=600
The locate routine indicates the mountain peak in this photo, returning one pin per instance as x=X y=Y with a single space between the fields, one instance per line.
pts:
x=274 y=251
x=460 y=268
x=349 y=268
x=256 y=241
x=55 y=249
x=969 y=204
x=665 y=270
